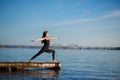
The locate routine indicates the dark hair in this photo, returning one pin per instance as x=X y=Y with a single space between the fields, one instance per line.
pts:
x=44 y=35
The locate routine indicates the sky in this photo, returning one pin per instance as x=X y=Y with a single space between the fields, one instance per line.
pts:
x=81 y=22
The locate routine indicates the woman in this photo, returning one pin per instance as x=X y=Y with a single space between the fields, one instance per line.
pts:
x=46 y=40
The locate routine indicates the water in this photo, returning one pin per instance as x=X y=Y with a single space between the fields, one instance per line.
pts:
x=76 y=65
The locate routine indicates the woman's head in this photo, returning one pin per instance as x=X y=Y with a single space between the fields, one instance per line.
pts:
x=45 y=34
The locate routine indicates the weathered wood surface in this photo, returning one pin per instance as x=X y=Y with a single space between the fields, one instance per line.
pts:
x=30 y=64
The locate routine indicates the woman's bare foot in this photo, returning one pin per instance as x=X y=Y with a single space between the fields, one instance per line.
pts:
x=30 y=60
x=54 y=61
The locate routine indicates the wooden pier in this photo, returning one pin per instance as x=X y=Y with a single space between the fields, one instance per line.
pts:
x=22 y=65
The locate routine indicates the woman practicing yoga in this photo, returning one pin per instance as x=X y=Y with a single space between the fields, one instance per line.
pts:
x=46 y=40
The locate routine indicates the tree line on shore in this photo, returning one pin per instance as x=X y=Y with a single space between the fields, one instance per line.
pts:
x=58 y=46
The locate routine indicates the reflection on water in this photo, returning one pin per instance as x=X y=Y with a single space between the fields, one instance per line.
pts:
x=30 y=74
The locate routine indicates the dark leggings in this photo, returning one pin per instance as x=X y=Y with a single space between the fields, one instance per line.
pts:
x=45 y=50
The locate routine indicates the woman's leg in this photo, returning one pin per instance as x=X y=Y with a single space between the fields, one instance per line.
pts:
x=51 y=51
x=40 y=52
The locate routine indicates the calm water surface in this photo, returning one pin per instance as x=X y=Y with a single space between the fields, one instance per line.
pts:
x=76 y=65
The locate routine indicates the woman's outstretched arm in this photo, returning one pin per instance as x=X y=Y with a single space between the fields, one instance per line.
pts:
x=37 y=40
x=54 y=38
x=40 y=39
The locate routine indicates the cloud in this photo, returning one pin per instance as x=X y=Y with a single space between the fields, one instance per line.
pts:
x=111 y=14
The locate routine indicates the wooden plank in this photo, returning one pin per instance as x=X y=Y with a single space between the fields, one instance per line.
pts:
x=30 y=64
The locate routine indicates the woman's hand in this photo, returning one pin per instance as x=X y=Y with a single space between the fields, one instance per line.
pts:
x=58 y=38
x=33 y=40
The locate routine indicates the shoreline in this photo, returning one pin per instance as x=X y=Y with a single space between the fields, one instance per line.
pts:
x=61 y=47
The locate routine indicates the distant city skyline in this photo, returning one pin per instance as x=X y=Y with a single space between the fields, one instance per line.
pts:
x=81 y=22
